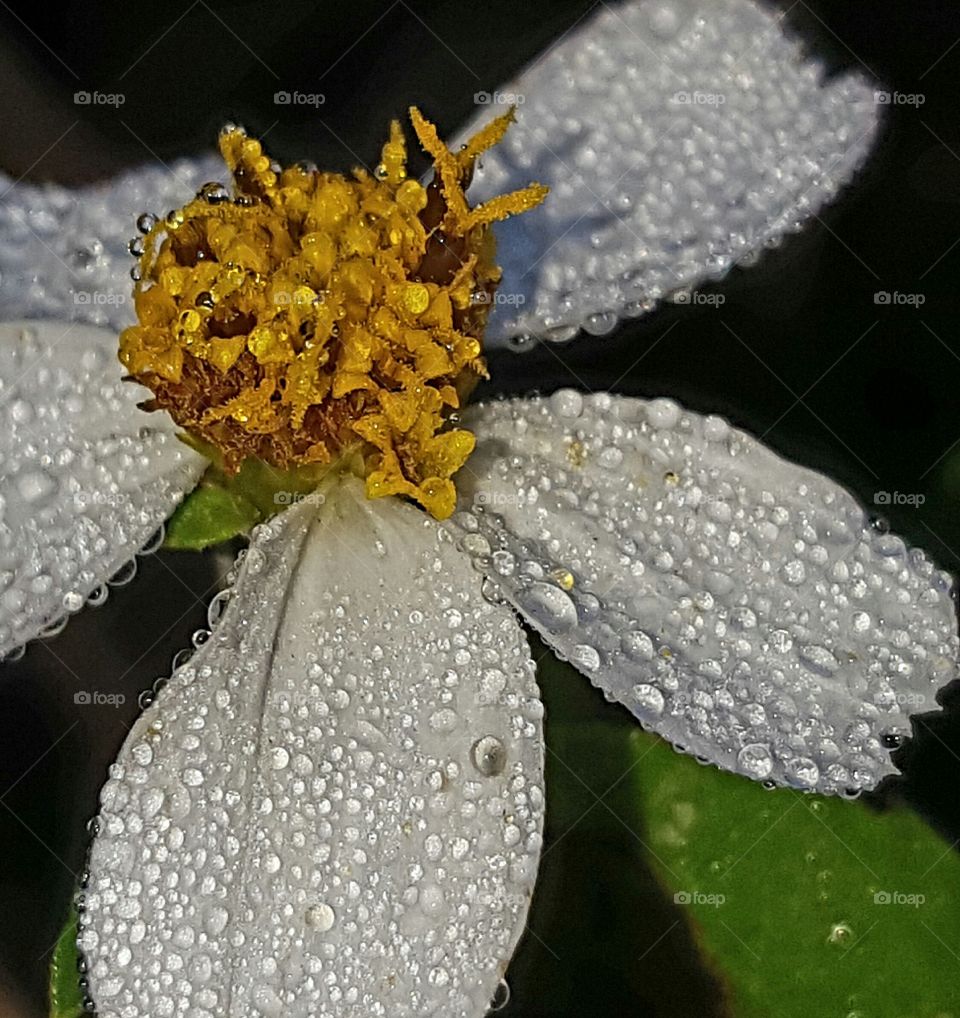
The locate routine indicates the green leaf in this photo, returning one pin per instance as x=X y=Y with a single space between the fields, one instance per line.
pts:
x=595 y=943
x=208 y=516
x=66 y=1000
x=225 y=506
x=804 y=905
x=810 y=905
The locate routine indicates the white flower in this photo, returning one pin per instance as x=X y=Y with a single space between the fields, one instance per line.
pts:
x=335 y=807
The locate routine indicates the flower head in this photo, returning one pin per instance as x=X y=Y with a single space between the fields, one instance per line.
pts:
x=335 y=807
x=311 y=315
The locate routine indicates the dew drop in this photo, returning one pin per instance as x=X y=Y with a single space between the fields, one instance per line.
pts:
x=585 y=657
x=567 y=403
x=36 y=486
x=216 y=920
x=214 y=193
x=489 y=756
x=431 y=900
x=755 y=761
x=648 y=698
x=444 y=720
x=501 y=996
x=802 y=771
x=548 y=606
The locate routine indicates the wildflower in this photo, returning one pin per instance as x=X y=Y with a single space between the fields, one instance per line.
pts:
x=335 y=806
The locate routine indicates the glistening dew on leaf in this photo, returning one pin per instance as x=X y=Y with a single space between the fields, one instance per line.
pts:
x=335 y=807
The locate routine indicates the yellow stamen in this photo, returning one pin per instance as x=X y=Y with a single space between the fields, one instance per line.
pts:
x=310 y=315
x=489 y=135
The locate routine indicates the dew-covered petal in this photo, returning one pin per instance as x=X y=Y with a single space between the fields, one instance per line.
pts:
x=744 y=607
x=85 y=477
x=678 y=137
x=64 y=251
x=335 y=807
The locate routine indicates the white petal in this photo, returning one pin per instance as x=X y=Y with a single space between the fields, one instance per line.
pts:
x=63 y=251
x=678 y=137
x=335 y=808
x=740 y=605
x=85 y=477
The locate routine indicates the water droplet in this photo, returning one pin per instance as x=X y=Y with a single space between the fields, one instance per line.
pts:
x=861 y=622
x=879 y=524
x=142 y=753
x=567 y=403
x=501 y=996
x=216 y=607
x=431 y=900
x=548 y=606
x=489 y=756
x=802 y=771
x=216 y=920
x=214 y=193
x=192 y=777
x=755 y=761
x=819 y=659
x=794 y=572
x=600 y=324
x=585 y=657
x=649 y=699
x=124 y=574
x=637 y=645
x=35 y=486
x=840 y=933
x=522 y=342
x=663 y=413
x=444 y=720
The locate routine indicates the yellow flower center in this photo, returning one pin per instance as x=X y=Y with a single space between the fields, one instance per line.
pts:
x=309 y=315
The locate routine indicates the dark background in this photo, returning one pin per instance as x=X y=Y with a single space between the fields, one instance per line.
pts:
x=866 y=393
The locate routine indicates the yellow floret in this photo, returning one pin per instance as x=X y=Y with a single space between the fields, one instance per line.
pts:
x=310 y=316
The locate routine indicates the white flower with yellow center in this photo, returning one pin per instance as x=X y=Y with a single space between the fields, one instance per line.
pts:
x=335 y=806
